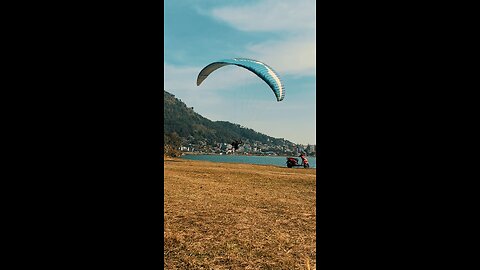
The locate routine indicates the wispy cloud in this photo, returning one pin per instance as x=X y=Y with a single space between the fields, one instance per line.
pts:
x=294 y=52
x=270 y=15
x=181 y=78
x=293 y=56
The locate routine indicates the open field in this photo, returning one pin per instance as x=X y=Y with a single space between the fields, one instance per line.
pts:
x=238 y=216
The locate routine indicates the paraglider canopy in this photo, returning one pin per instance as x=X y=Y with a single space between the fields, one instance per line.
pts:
x=262 y=70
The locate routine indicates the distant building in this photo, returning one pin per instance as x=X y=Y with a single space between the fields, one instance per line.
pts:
x=311 y=148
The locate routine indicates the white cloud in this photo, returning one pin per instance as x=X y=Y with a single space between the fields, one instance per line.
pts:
x=295 y=52
x=270 y=15
x=179 y=78
x=181 y=81
x=294 y=56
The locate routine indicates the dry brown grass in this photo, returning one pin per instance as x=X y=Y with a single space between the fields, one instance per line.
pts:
x=238 y=216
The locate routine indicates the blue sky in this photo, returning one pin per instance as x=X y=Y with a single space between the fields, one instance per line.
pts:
x=278 y=33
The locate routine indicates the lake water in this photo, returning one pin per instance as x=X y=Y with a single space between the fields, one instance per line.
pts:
x=264 y=160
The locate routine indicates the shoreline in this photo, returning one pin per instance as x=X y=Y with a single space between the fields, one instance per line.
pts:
x=215 y=154
x=276 y=161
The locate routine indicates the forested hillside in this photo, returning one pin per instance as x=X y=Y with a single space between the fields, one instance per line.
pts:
x=194 y=128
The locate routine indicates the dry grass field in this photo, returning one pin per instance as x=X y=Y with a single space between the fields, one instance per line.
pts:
x=238 y=216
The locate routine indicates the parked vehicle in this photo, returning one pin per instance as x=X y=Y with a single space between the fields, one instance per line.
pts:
x=293 y=162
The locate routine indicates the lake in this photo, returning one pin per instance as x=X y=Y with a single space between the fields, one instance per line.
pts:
x=263 y=160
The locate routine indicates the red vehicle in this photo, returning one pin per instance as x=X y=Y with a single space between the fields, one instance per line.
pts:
x=293 y=162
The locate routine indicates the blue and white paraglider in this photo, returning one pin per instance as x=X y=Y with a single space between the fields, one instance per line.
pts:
x=262 y=70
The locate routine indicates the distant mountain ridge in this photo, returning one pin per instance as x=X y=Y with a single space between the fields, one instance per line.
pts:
x=194 y=128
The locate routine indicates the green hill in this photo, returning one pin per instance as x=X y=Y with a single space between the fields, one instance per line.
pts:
x=194 y=128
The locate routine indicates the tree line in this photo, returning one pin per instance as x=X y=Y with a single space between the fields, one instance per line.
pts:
x=182 y=123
